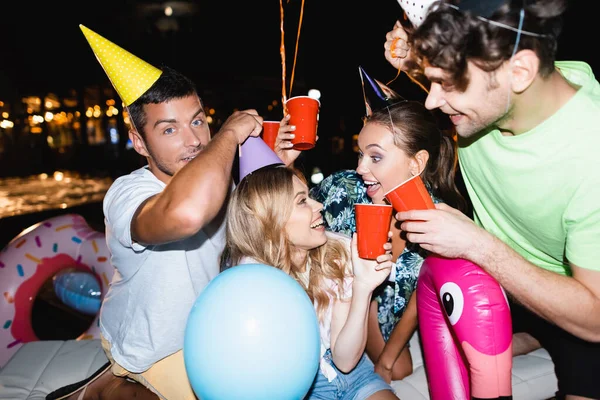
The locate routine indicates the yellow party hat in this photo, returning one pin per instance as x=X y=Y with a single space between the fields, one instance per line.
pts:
x=130 y=75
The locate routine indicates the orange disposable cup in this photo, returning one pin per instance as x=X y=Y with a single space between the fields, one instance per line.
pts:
x=269 y=133
x=372 y=227
x=304 y=115
x=410 y=195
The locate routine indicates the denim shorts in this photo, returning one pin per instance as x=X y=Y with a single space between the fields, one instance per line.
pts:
x=359 y=384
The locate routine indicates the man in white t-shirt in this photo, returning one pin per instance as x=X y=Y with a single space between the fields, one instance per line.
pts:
x=164 y=226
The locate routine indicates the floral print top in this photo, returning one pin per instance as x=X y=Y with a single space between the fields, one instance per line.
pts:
x=338 y=193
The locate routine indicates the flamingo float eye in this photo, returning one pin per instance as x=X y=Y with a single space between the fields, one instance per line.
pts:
x=452 y=300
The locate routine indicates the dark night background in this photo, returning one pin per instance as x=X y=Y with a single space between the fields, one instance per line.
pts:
x=231 y=49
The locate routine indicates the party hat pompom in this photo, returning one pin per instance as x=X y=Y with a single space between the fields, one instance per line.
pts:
x=416 y=10
x=376 y=94
x=130 y=76
x=256 y=154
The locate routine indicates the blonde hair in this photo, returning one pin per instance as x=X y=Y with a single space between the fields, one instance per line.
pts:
x=257 y=213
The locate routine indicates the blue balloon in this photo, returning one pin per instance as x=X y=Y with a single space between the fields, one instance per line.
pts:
x=252 y=334
x=78 y=290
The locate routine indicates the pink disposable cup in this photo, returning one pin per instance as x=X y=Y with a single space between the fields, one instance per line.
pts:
x=304 y=115
x=410 y=195
x=372 y=227
x=269 y=133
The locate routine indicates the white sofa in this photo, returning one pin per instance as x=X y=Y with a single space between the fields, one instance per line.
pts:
x=39 y=368
x=532 y=376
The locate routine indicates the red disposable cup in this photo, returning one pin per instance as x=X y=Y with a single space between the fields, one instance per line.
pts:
x=269 y=133
x=304 y=115
x=410 y=195
x=372 y=227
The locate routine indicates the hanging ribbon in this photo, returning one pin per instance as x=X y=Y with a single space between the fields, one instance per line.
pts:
x=282 y=52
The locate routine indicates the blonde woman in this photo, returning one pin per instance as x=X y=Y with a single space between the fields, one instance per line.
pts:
x=271 y=220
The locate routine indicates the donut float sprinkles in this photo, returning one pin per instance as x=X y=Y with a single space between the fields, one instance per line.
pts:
x=37 y=254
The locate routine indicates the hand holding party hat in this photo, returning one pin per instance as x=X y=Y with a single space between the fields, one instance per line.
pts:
x=130 y=75
x=256 y=154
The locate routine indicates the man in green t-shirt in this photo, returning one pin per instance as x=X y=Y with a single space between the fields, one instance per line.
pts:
x=529 y=131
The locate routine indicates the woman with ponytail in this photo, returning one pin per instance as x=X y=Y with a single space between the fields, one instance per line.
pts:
x=396 y=142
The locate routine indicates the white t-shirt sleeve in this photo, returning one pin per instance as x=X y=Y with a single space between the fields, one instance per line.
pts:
x=121 y=202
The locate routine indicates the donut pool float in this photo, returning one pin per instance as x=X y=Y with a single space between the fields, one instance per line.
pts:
x=54 y=246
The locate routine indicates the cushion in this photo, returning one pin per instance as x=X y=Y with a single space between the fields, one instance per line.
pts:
x=533 y=376
x=39 y=368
